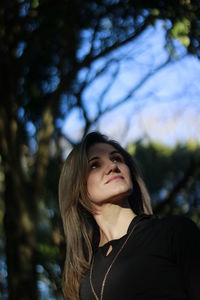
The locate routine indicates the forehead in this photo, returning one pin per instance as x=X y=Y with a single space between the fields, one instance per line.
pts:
x=100 y=149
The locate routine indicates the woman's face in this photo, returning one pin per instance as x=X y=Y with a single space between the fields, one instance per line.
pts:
x=109 y=178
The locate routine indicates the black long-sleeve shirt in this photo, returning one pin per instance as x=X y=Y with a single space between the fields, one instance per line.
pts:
x=160 y=261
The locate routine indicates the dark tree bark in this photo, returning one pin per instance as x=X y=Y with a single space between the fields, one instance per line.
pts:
x=20 y=214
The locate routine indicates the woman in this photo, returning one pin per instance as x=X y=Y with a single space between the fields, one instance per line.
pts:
x=116 y=248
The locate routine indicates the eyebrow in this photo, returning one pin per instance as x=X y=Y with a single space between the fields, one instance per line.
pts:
x=97 y=157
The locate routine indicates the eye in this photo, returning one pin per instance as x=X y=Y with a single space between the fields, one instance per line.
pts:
x=117 y=158
x=93 y=166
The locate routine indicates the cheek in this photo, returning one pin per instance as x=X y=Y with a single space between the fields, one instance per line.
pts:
x=90 y=183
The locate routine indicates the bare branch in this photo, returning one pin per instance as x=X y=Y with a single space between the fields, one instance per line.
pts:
x=193 y=170
x=89 y=59
x=102 y=70
x=108 y=87
x=133 y=90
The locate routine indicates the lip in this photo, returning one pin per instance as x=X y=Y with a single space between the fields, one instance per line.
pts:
x=114 y=178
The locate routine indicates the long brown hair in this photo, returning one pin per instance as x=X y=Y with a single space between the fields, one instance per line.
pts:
x=80 y=229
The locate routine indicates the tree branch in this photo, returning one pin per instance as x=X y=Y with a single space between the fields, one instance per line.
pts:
x=91 y=58
x=132 y=91
x=192 y=171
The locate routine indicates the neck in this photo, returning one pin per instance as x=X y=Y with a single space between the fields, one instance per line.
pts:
x=113 y=221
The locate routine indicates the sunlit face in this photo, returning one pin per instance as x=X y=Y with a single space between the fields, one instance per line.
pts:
x=109 y=178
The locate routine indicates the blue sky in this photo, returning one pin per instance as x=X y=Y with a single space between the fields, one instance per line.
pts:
x=165 y=108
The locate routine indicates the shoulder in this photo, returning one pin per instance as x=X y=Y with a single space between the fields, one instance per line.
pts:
x=172 y=225
x=180 y=228
x=178 y=222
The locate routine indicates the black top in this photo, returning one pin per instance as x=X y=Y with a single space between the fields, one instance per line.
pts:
x=160 y=261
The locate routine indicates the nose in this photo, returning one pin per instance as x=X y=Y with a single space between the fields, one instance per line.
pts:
x=111 y=167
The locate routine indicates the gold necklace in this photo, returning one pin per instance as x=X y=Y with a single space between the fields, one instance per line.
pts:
x=109 y=268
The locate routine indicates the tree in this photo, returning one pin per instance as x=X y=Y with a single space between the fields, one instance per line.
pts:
x=174 y=186
x=44 y=47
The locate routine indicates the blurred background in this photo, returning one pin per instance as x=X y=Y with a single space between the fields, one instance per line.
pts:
x=129 y=69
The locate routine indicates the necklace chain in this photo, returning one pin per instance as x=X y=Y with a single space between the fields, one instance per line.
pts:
x=109 y=268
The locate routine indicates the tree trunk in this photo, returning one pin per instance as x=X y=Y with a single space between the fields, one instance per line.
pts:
x=20 y=242
x=20 y=209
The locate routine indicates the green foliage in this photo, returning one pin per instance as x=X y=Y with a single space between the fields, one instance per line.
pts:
x=180 y=31
x=34 y=4
x=182 y=24
x=165 y=169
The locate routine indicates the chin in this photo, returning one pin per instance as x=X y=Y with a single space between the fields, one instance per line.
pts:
x=115 y=198
x=120 y=198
